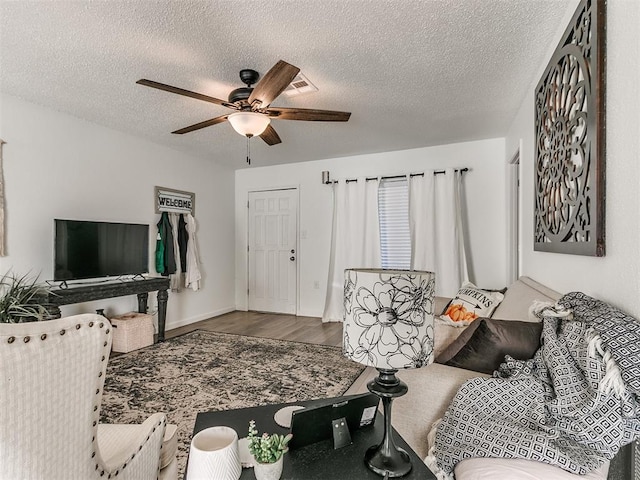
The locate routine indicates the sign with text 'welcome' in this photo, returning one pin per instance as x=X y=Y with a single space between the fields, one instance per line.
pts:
x=178 y=201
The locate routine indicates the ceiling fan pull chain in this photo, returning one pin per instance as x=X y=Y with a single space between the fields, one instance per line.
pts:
x=248 y=150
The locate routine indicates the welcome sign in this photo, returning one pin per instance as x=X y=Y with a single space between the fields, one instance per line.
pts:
x=177 y=201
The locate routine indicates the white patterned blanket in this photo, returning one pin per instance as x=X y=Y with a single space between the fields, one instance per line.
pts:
x=574 y=405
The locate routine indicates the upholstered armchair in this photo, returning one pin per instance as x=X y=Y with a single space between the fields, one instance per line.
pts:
x=51 y=379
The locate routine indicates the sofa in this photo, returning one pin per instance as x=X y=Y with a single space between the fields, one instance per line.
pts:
x=432 y=388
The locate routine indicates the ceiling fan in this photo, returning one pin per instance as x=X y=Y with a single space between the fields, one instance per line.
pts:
x=253 y=113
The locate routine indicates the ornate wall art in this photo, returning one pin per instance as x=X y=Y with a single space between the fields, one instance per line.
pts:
x=570 y=141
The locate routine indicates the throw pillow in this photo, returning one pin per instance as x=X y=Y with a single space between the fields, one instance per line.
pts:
x=484 y=344
x=470 y=303
x=444 y=335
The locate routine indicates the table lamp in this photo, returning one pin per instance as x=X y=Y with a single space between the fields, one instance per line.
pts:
x=388 y=324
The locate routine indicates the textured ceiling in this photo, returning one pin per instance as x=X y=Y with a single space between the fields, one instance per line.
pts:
x=413 y=73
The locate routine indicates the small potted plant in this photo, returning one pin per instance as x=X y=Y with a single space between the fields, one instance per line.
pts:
x=20 y=299
x=268 y=451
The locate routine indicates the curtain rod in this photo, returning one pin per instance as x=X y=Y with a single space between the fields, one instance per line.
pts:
x=326 y=181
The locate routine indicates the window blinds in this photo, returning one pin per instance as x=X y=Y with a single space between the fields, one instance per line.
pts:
x=393 y=212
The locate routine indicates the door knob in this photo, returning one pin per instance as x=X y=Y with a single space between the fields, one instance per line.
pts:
x=292 y=258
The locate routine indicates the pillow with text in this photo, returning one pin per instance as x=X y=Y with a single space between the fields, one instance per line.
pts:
x=470 y=303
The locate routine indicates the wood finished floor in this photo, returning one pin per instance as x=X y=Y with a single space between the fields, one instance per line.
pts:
x=269 y=325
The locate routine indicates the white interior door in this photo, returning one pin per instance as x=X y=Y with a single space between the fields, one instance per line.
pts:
x=273 y=250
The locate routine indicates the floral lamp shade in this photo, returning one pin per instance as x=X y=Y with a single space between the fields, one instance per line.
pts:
x=388 y=319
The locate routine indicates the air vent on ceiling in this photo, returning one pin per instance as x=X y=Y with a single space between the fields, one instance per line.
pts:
x=300 y=85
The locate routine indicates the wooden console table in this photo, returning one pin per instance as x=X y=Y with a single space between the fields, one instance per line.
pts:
x=86 y=293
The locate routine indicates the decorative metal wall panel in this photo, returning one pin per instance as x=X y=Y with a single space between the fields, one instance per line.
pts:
x=569 y=139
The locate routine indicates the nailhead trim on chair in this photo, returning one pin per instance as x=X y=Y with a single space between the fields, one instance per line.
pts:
x=95 y=407
x=43 y=337
x=133 y=455
x=162 y=423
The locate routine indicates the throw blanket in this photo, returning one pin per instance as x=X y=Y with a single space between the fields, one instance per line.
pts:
x=573 y=405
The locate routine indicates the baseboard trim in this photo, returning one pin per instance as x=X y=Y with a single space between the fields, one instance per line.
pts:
x=309 y=313
x=197 y=318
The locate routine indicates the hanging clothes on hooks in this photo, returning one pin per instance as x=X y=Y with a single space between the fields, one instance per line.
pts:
x=180 y=245
x=175 y=279
x=192 y=276
x=165 y=251
x=183 y=241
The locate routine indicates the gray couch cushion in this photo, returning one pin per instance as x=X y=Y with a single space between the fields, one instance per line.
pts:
x=519 y=297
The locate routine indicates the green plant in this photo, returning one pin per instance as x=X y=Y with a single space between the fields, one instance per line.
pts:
x=267 y=448
x=19 y=299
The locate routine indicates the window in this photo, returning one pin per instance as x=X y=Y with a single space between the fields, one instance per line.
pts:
x=393 y=212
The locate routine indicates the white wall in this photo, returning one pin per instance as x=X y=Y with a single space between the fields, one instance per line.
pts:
x=58 y=166
x=616 y=277
x=484 y=187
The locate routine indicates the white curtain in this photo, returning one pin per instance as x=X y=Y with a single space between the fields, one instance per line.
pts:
x=355 y=240
x=435 y=221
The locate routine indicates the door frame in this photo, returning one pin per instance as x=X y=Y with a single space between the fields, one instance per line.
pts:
x=514 y=215
x=246 y=240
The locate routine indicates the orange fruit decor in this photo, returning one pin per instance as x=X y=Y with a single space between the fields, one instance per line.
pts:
x=458 y=313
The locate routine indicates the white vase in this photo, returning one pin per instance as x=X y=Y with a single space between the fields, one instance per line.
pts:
x=214 y=454
x=268 y=471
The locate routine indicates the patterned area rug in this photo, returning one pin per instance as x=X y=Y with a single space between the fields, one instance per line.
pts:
x=206 y=371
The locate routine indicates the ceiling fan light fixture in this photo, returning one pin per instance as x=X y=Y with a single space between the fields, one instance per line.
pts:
x=249 y=124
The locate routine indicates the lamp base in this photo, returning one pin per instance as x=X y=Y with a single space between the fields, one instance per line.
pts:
x=395 y=464
x=387 y=459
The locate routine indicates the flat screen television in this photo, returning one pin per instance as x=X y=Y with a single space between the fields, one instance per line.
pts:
x=85 y=249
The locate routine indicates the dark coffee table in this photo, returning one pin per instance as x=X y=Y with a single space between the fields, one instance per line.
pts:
x=318 y=461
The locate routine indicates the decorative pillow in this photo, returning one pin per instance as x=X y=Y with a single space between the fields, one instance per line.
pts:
x=484 y=344
x=444 y=334
x=470 y=303
x=454 y=347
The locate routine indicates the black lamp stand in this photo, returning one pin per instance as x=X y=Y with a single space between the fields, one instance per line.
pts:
x=387 y=459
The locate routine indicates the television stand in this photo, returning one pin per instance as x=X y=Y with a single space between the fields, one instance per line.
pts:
x=85 y=293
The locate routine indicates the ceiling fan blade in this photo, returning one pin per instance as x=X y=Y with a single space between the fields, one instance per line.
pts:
x=273 y=83
x=308 y=114
x=198 y=126
x=270 y=136
x=181 y=91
